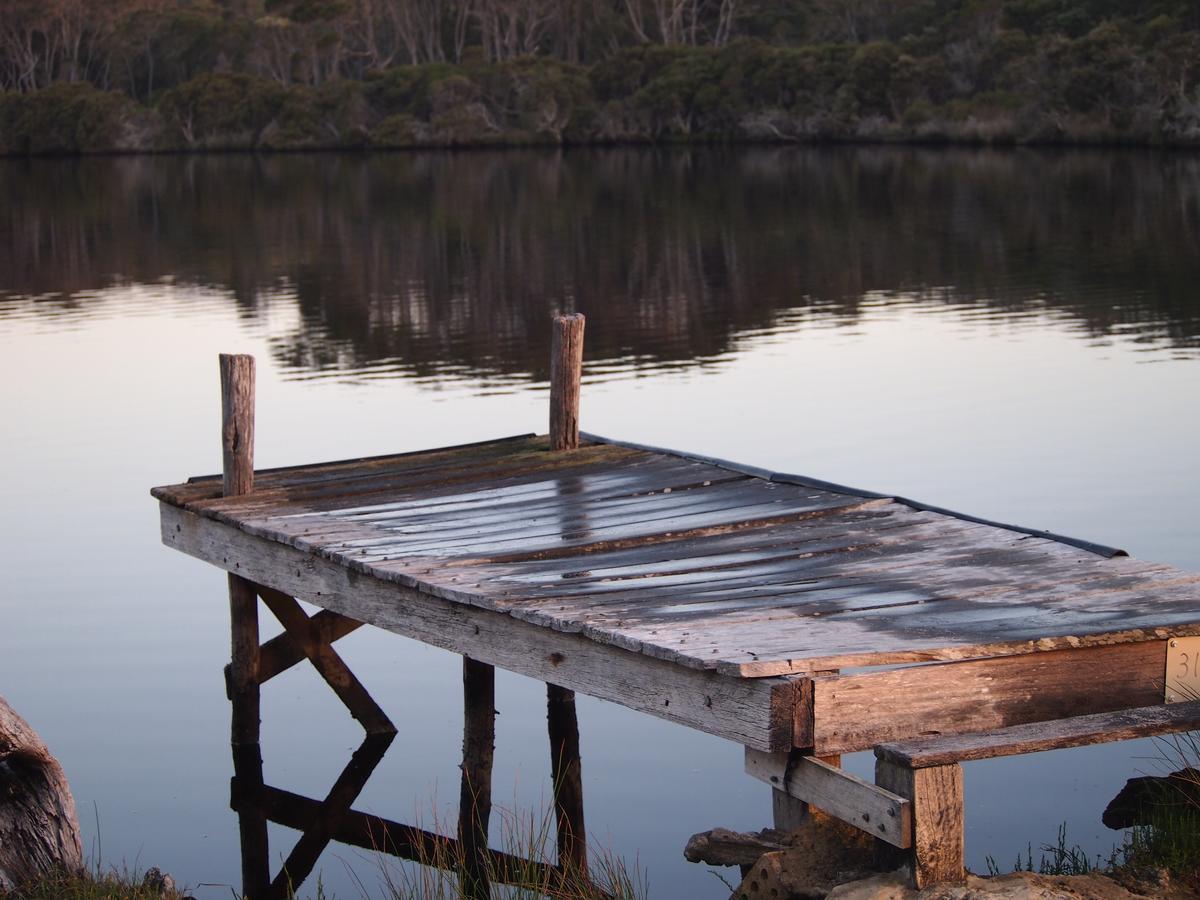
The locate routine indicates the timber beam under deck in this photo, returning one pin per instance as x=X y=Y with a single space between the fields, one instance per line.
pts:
x=754 y=712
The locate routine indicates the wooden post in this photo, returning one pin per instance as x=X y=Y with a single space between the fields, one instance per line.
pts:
x=566 y=368
x=237 y=423
x=936 y=794
x=237 y=458
x=565 y=770
x=237 y=453
x=475 y=794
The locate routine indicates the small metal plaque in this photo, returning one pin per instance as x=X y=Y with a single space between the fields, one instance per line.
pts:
x=1182 y=676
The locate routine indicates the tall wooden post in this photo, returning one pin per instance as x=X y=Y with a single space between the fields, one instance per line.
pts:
x=566 y=371
x=475 y=794
x=237 y=452
x=237 y=455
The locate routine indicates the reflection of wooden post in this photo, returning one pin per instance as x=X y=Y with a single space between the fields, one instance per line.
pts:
x=252 y=821
x=237 y=454
x=566 y=371
x=475 y=795
x=568 y=780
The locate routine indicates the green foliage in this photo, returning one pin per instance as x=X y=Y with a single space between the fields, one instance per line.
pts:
x=225 y=110
x=63 y=118
x=1010 y=70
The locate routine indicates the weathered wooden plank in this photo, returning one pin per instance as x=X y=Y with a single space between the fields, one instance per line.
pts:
x=746 y=711
x=856 y=712
x=839 y=793
x=1057 y=734
x=503 y=472
x=561 y=534
x=938 y=837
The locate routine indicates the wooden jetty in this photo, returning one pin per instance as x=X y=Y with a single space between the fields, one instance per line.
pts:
x=798 y=618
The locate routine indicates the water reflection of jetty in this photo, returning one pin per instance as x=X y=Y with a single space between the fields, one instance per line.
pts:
x=798 y=618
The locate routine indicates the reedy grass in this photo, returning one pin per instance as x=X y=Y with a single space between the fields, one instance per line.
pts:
x=112 y=885
x=529 y=840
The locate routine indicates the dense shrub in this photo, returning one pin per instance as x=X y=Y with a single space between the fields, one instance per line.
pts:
x=65 y=118
x=221 y=110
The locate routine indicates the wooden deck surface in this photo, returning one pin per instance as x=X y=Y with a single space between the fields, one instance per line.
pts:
x=699 y=563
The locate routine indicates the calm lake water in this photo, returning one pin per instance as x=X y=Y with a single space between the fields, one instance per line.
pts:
x=1013 y=334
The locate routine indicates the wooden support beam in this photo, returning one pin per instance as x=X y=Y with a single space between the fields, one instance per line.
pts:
x=754 y=712
x=937 y=839
x=566 y=369
x=280 y=653
x=327 y=662
x=567 y=778
x=856 y=712
x=475 y=794
x=1077 y=731
x=871 y=808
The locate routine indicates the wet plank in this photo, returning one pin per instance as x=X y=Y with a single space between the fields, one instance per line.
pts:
x=693 y=563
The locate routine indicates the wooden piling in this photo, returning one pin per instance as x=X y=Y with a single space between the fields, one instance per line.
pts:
x=566 y=367
x=475 y=794
x=237 y=458
x=566 y=370
x=237 y=453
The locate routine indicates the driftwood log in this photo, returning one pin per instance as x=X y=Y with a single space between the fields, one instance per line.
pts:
x=39 y=832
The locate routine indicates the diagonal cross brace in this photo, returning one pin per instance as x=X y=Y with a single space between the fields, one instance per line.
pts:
x=310 y=637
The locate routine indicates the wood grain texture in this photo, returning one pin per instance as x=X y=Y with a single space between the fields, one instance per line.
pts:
x=281 y=652
x=237 y=460
x=1077 y=731
x=856 y=712
x=39 y=831
x=938 y=838
x=865 y=806
x=237 y=423
x=745 y=711
x=566 y=368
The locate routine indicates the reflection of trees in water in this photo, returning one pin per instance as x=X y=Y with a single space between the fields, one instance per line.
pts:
x=437 y=260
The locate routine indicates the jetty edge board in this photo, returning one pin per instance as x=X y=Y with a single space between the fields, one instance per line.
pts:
x=705 y=593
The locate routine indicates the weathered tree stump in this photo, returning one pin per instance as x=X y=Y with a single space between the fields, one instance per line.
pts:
x=39 y=832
